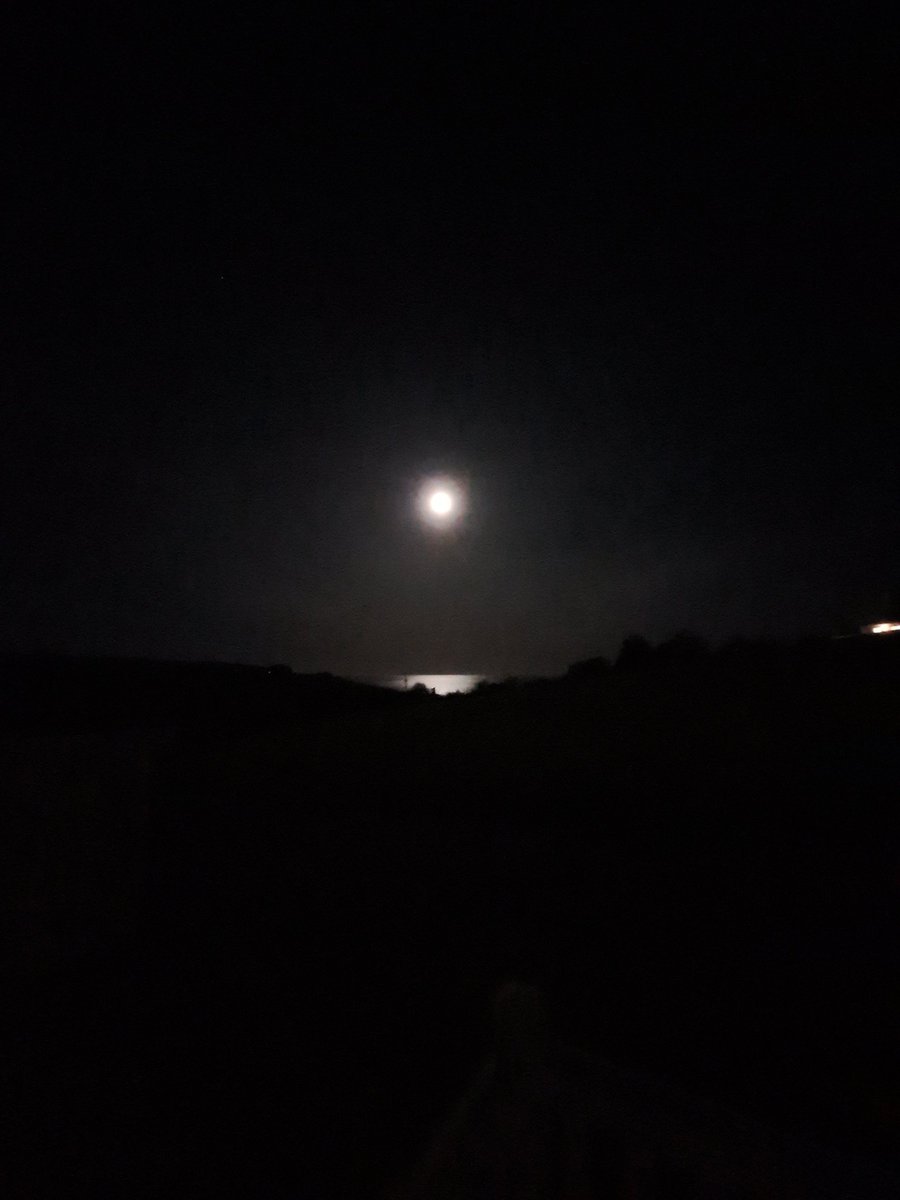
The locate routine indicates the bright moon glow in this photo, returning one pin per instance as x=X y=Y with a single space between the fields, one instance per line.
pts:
x=440 y=503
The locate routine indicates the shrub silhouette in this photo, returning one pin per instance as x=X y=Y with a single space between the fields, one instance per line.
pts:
x=636 y=652
x=684 y=649
x=590 y=668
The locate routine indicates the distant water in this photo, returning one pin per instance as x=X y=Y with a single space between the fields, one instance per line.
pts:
x=443 y=684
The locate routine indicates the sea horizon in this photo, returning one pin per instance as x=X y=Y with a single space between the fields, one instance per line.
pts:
x=441 y=684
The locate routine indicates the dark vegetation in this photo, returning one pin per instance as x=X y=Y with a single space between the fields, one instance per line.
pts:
x=64 y=695
x=254 y=919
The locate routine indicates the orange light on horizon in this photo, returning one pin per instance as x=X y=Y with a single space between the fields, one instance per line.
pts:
x=884 y=627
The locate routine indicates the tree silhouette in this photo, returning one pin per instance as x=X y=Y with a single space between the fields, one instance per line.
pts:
x=636 y=652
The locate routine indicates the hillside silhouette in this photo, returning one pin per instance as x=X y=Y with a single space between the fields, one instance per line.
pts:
x=255 y=919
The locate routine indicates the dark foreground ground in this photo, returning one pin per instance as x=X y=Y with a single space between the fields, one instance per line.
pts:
x=258 y=961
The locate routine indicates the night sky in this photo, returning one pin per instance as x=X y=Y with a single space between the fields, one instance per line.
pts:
x=633 y=282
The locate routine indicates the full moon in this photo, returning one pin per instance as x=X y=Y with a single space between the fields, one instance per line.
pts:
x=440 y=503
